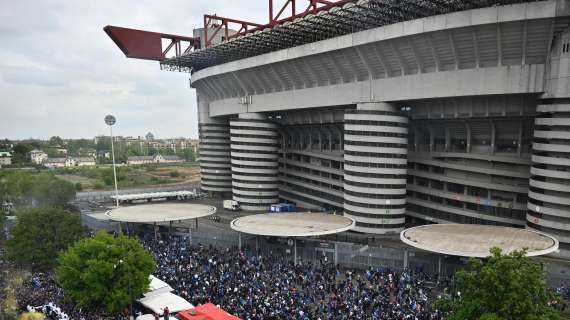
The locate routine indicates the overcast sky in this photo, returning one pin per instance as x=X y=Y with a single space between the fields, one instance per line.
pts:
x=60 y=74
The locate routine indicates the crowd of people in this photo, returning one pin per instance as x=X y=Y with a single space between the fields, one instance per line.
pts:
x=41 y=293
x=252 y=286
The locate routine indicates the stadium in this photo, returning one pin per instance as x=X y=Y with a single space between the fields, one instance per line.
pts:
x=395 y=113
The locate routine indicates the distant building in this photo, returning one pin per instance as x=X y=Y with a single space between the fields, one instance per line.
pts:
x=171 y=159
x=106 y=154
x=5 y=158
x=87 y=152
x=150 y=136
x=58 y=162
x=83 y=161
x=37 y=156
x=69 y=162
x=57 y=150
x=138 y=160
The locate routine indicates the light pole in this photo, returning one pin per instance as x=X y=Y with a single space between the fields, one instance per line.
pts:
x=110 y=121
x=121 y=262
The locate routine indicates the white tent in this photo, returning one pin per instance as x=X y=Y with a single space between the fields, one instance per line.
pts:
x=157 y=286
x=157 y=302
x=147 y=316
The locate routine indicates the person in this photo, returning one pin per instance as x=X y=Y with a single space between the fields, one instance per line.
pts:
x=166 y=313
x=156 y=317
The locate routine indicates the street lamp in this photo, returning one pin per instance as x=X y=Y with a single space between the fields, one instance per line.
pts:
x=121 y=262
x=110 y=121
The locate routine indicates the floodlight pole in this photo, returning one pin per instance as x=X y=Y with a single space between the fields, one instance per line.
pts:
x=110 y=121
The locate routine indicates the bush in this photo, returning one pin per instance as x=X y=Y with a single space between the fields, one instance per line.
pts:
x=98 y=186
x=174 y=174
x=78 y=186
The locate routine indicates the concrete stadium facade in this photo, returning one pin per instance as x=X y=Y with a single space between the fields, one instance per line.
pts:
x=455 y=118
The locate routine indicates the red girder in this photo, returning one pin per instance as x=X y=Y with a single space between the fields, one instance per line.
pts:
x=218 y=23
x=147 y=45
x=141 y=44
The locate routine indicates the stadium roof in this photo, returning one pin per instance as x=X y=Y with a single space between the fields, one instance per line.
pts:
x=351 y=17
x=292 y=224
x=472 y=240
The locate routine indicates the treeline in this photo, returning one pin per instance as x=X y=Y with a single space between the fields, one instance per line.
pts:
x=102 y=146
x=34 y=189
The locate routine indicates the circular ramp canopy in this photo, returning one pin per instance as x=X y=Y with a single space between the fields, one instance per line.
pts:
x=472 y=240
x=164 y=212
x=292 y=224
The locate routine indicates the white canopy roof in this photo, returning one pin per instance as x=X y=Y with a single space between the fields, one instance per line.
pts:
x=163 y=212
x=157 y=302
x=157 y=286
x=292 y=224
x=147 y=316
x=153 y=195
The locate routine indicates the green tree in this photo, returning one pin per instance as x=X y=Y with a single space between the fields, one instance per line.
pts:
x=73 y=146
x=56 y=141
x=105 y=271
x=188 y=155
x=108 y=177
x=21 y=150
x=49 y=191
x=503 y=287
x=40 y=233
x=35 y=189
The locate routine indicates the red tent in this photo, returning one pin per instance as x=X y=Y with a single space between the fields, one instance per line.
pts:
x=206 y=311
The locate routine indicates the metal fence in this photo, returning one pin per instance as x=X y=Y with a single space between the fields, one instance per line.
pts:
x=348 y=255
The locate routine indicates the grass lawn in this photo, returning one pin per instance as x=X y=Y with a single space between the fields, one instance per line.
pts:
x=101 y=177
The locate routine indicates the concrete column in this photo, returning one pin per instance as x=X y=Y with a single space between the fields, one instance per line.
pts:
x=439 y=267
x=519 y=139
x=468 y=127
x=493 y=137
x=447 y=139
x=295 y=251
x=431 y=139
x=335 y=253
x=239 y=240
x=214 y=151
x=378 y=160
x=416 y=139
x=405 y=258
x=254 y=161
